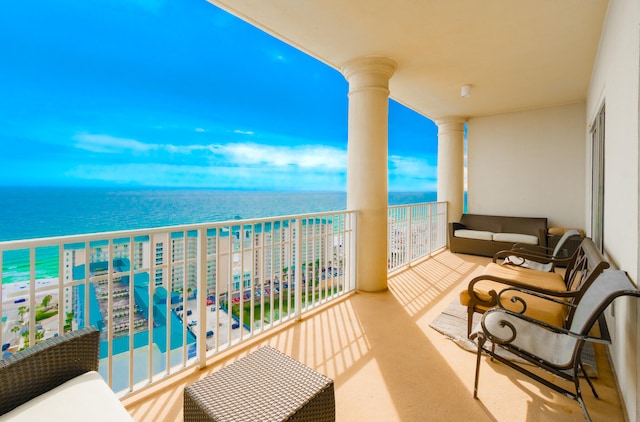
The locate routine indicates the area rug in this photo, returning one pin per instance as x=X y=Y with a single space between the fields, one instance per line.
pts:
x=452 y=322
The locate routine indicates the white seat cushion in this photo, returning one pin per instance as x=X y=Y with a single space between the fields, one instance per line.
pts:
x=473 y=234
x=553 y=347
x=527 y=263
x=84 y=398
x=516 y=238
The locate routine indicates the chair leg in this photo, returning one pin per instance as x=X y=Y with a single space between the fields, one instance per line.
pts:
x=578 y=397
x=593 y=389
x=584 y=409
x=481 y=340
x=470 y=312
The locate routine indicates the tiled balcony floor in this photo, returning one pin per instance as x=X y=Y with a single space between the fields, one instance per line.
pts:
x=389 y=365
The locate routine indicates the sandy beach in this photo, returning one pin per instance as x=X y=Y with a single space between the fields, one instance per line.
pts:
x=21 y=288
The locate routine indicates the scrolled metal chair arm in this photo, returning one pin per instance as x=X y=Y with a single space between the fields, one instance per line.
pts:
x=500 y=340
x=548 y=295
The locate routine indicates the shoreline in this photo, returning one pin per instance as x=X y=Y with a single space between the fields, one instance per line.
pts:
x=14 y=288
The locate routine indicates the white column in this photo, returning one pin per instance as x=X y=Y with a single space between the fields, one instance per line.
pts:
x=367 y=156
x=451 y=164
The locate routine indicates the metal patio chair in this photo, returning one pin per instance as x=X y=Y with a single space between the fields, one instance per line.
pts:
x=556 y=350
x=538 y=257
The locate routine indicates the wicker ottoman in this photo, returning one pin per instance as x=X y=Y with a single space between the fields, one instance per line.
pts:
x=266 y=385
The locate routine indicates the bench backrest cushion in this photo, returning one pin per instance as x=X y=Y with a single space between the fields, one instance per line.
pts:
x=502 y=224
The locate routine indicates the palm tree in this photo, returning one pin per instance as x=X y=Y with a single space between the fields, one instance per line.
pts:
x=25 y=335
x=21 y=311
x=15 y=330
x=45 y=301
x=68 y=320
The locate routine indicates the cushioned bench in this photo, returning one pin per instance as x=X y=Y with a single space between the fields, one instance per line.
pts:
x=582 y=269
x=485 y=235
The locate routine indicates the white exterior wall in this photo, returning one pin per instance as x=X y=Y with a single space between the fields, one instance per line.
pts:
x=529 y=164
x=615 y=81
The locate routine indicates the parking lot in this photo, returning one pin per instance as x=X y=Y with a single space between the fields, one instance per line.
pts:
x=218 y=321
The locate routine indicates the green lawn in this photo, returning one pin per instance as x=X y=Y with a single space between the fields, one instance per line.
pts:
x=276 y=306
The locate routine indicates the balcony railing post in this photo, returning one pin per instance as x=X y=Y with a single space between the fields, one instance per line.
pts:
x=201 y=296
x=110 y=324
x=409 y=236
x=296 y=279
x=352 y=247
x=131 y=315
x=32 y=296
x=429 y=236
x=151 y=316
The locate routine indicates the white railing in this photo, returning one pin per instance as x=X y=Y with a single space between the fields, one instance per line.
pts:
x=415 y=231
x=167 y=298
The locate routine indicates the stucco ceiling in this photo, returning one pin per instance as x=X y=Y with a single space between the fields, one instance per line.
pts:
x=515 y=54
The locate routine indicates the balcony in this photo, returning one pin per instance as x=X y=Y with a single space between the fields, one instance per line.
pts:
x=387 y=363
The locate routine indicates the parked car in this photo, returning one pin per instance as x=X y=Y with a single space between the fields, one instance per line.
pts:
x=235 y=325
x=189 y=312
x=209 y=333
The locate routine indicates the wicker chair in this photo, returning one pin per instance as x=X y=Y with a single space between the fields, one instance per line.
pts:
x=41 y=379
x=556 y=350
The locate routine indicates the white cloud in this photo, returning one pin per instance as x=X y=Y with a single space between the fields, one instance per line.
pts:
x=110 y=144
x=411 y=167
x=200 y=130
x=113 y=145
x=411 y=174
x=242 y=165
x=306 y=156
x=168 y=175
x=244 y=132
x=238 y=154
x=184 y=149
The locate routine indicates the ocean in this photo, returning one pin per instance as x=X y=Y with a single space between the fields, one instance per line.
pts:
x=35 y=212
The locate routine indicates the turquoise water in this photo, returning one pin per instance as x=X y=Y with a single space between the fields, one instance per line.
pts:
x=30 y=212
x=16 y=264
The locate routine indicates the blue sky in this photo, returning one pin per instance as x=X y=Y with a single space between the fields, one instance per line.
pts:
x=177 y=93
